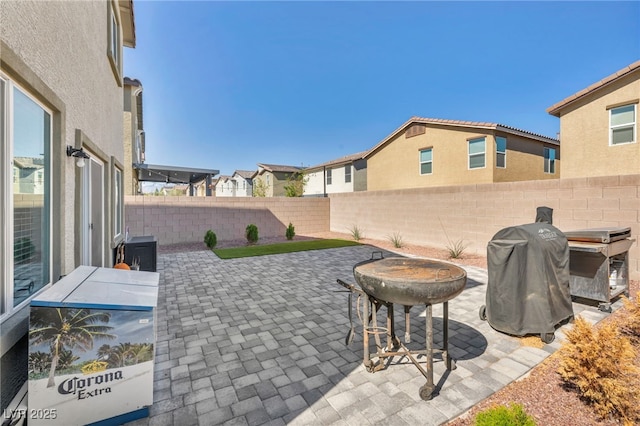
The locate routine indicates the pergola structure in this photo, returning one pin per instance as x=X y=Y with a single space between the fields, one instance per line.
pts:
x=173 y=174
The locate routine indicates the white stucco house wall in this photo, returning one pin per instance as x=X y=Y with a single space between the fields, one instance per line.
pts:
x=345 y=174
x=243 y=183
x=61 y=87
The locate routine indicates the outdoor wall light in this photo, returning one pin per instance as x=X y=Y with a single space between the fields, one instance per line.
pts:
x=77 y=153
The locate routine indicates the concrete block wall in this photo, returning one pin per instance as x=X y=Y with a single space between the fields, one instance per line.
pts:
x=186 y=219
x=474 y=213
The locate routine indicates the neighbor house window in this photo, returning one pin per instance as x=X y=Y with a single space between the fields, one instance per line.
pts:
x=476 y=153
x=501 y=152
x=426 y=161
x=114 y=40
x=328 y=176
x=25 y=136
x=347 y=173
x=622 y=121
x=549 y=160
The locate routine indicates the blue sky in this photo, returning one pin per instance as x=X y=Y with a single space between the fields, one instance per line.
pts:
x=231 y=84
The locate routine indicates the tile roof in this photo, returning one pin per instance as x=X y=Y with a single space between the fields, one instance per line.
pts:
x=279 y=168
x=338 y=161
x=461 y=123
x=247 y=174
x=555 y=109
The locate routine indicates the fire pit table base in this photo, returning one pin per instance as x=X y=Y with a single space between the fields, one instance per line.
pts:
x=393 y=344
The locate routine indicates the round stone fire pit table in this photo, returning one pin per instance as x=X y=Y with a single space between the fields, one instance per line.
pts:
x=408 y=282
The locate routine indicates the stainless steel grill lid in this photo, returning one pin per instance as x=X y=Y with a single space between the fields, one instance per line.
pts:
x=598 y=235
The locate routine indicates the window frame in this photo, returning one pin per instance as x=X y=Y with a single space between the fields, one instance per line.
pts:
x=420 y=162
x=549 y=165
x=329 y=176
x=477 y=154
x=7 y=230
x=114 y=40
x=347 y=173
x=117 y=200
x=503 y=153
x=633 y=125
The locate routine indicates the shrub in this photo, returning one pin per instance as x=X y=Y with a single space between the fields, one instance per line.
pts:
x=396 y=240
x=630 y=324
x=210 y=239
x=599 y=364
x=251 y=233
x=514 y=415
x=456 y=249
x=356 y=233
x=290 y=232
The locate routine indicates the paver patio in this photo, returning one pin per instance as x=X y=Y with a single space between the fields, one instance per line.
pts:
x=260 y=340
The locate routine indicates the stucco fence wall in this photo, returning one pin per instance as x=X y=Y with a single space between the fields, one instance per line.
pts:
x=174 y=220
x=429 y=216
x=474 y=213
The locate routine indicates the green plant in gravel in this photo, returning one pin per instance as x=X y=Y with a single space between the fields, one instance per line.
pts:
x=396 y=240
x=290 y=232
x=210 y=239
x=356 y=233
x=514 y=415
x=455 y=248
x=251 y=233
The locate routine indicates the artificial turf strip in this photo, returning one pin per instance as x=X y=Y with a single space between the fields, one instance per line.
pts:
x=248 y=251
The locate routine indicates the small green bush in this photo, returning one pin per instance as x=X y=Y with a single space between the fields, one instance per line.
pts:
x=513 y=415
x=456 y=249
x=251 y=233
x=396 y=240
x=356 y=233
x=210 y=239
x=291 y=232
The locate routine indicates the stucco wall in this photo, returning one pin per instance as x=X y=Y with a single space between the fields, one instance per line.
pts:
x=65 y=55
x=524 y=160
x=474 y=213
x=186 y=219
x=57 y=52
x=315 y=184
x=396 y=165
x=584 y=132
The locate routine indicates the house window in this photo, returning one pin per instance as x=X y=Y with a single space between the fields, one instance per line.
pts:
x=501 y=152
x=549 y=160
x=113 y=51
x=25 y=136
x=426 y=161
x=622 y=121
x=328 y=176
x=476 y=153
x=117 y=203
x=347 y=173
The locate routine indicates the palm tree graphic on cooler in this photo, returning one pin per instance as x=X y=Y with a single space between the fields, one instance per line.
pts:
x=67 y=329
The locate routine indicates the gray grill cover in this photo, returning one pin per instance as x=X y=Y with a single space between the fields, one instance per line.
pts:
x=528 y=288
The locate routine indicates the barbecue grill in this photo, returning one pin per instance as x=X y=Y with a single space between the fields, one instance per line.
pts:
x=599 y=259
x=409 y=282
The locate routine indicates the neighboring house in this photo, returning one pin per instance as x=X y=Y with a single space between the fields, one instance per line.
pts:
x=224 y=186
x=345 y=174
x=133 y=136
x=243 y=183
x=426 y=152
x=599 y=126
x=28 y=175
x=272 y=178
x=61 y=90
